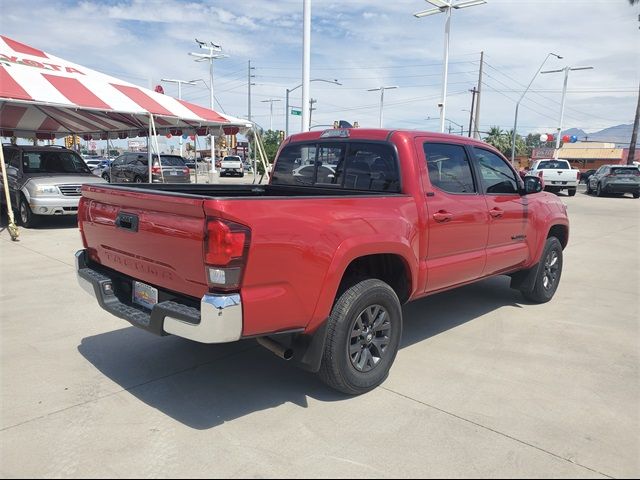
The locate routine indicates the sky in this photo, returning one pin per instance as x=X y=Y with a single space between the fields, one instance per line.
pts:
x=363 y=45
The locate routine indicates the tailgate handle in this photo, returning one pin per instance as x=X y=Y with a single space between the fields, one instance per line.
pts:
x=127 y=221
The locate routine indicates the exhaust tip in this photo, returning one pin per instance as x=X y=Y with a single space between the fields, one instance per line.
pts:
x=276 y=348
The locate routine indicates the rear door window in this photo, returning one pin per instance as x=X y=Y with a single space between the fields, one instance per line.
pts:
x=350 y=165
x=554 y=165
x=170 y=160
x=449 y=168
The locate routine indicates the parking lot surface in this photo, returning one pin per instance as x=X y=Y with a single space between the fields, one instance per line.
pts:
x=485 y=385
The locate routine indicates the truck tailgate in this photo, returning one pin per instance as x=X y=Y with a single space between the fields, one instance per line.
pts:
x=154 y=238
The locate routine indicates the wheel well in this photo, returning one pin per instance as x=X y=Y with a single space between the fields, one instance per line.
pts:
x=560 y=232
x=390 y=268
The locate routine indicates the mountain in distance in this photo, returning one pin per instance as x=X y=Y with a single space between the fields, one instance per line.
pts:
x=620 y=135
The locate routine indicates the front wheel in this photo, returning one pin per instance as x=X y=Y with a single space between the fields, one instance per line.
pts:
x=27 y=218
x=636 y=195
x=363 y=336
x=549 y=272
x=599 y=190
x=589 y=191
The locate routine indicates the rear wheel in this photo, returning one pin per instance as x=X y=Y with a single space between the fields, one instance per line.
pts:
x=363 y=335
x=572 y=191
x=549 y=272
x=137 y=179
x=636 y=195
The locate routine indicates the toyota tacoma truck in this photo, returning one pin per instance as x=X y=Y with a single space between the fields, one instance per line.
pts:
x=316 y=264
x=556 y=175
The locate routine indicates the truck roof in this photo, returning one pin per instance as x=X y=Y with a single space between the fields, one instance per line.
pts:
x=382 y=134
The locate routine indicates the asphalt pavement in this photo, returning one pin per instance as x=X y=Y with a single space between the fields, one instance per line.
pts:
x=485 y=385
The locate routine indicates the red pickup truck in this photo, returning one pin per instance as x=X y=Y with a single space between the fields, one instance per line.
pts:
x=316 y=265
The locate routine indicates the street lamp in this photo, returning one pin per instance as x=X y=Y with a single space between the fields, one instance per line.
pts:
x=381 y=89
x=179 y=82
x=443 y=6
x=515 y=120
x=566 y=71
x=214 y=54
x=289 y=90
x=270 y=101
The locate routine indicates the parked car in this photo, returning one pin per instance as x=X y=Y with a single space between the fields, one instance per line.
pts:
x=231 y=165
x=615 y=179
x=133 y=167
x=102 y=169
x=584 y=176
x=44 y=181
x=556 y=175
x=318 y=272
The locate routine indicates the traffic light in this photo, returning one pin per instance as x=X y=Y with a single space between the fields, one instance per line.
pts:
x=68 y=141
x=234 y=141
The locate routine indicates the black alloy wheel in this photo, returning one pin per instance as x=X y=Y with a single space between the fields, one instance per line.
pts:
x=370 y=336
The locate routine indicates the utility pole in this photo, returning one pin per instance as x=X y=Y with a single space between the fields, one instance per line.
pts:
x=474 y=92
x=306 y=64
x=634 y=135
x=311 y=109
x=476 y=130
x=249 y=83
x=270 y=101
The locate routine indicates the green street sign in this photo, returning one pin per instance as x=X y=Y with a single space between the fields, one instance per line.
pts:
x=295 y=111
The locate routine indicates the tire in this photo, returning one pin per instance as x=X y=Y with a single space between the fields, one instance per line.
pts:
x=572 y=192
x=549 y=273
x=137 y=179
x=105 y=176
x=599 y=191
x=349 y=360
x=636 y=195
x=27 y=218
x=589 y=191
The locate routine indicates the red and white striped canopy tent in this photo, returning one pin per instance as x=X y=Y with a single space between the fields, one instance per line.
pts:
x=49 y=97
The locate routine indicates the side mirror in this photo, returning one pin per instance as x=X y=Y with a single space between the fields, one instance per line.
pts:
x=532 y=184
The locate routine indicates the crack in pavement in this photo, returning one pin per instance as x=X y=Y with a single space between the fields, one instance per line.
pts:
x=559 y=457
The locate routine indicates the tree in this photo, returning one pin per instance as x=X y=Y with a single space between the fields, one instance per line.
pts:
x=634 y=135
x=500 y=140
x=271 y=142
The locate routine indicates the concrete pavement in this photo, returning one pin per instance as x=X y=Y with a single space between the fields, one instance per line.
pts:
x=485 y=385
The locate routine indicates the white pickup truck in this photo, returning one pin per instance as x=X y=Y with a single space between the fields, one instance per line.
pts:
x=556 y=174
x=231 y=164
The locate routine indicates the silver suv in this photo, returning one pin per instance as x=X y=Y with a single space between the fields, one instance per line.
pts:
x=45 y=181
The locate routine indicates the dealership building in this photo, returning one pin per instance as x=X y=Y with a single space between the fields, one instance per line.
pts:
x=587 y=155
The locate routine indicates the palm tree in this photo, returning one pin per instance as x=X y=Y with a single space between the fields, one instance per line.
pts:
x=634 y=135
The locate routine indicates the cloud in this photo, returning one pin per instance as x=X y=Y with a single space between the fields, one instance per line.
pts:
x=363 y=44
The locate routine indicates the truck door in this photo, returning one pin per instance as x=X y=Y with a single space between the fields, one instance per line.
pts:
x=508 y=210
x=457 y=220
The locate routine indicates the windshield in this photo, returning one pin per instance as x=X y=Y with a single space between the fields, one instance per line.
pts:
x=170 y=160
x=53 y=162
x=554 y=165
x=625 y=171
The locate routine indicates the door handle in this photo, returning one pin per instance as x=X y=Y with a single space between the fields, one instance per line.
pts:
x=496 y=212
x=442 y=216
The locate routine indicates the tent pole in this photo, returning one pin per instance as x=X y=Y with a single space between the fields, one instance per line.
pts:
x=13 y=229
x=157 y=145
x=149 y=147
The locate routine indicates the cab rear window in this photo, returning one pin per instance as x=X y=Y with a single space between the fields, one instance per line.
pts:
x=348 y=165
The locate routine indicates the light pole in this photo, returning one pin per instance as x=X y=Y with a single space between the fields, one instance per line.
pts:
x=306 y=63
x=289 y=90
x=566 y=71
x=270 y=101
x=515 y=120
x=214 y=54
x=179 y=82
x=443 y=6
x=381 y=89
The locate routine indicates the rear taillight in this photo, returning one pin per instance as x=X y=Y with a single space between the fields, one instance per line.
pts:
x=185 y=170
x=225 y=251
x=577 y=174
x=156 y=170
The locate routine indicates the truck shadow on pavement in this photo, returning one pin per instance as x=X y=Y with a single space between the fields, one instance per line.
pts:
x=203 y=386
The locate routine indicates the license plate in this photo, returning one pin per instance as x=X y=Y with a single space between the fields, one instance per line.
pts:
x=144 y=294
x=173 y=172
